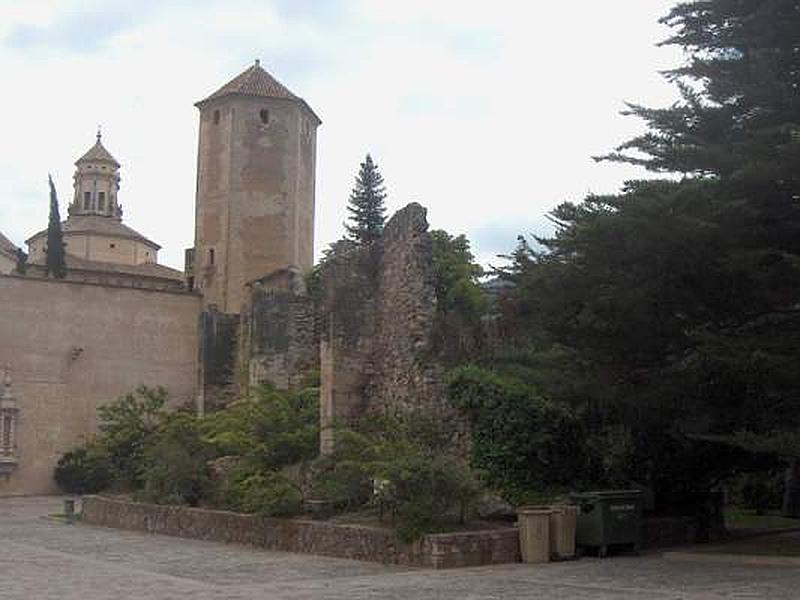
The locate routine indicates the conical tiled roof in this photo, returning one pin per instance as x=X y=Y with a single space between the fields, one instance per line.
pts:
x=255 y=81
x=98 y=152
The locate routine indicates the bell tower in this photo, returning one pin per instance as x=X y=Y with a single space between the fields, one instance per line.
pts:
x=256 y=169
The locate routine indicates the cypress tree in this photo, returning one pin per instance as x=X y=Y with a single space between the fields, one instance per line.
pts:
x=56 y=263
x=366 y=204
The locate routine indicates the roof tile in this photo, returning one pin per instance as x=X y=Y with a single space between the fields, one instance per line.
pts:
x=255 y=81
x=97 y=152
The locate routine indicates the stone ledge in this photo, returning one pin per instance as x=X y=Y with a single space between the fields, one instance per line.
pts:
x=437 y=551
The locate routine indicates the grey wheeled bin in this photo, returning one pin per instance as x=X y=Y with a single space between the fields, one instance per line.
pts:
x=608 y=518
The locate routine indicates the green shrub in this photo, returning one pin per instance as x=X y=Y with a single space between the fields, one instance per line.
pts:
x=176 y=462
x=84 y=470
x=267 y=493
x=268 y=433
x=344 y=478
x=423 y=492
x=166 y=457
x=522 y=442
x=125 y=426
x=272 y=430
x=759 y=491
x=460 y=300
x=405 y=465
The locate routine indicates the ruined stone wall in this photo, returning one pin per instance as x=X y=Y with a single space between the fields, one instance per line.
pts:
x=279 y=341
x=347 y=321
x=218 y=338
x=73 y=346
x=406 y=371
x=378 y=315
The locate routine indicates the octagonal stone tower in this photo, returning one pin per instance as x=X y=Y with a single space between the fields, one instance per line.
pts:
x=255 y=186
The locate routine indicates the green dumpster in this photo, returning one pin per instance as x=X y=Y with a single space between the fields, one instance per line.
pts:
x=608 y=518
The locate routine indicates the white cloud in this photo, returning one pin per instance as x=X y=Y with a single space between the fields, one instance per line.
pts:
x=486 y=114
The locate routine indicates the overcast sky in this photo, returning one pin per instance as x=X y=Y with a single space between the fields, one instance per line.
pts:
x=487 y=113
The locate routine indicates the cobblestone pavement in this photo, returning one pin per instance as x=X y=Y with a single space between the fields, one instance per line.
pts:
x=42 y=559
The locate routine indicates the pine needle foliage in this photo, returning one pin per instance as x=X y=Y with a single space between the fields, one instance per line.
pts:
x=366 y=207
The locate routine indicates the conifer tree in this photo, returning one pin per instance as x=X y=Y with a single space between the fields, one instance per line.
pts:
x=56 y=263
x=679 y=296
x=366 y=204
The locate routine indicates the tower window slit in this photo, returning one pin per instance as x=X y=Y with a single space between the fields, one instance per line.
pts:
x=87 y=200
x=210 y=256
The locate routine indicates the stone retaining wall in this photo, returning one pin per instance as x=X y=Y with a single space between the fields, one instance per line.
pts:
x=437 y=551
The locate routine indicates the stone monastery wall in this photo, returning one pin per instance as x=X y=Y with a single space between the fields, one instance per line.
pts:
x=73 y=346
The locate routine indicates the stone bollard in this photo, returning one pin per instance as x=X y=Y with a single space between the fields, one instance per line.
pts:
x=69 y=510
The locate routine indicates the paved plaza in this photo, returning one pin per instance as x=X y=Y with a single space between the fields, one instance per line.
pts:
x=41 y=558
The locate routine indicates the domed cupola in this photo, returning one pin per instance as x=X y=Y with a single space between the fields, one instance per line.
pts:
x=96 y=183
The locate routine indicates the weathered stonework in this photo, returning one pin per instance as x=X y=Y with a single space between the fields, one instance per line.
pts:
x=279 y=343
x=377 y=319
x=219 y=381
x=438 y=551
x=407 y=373
x=347 y=333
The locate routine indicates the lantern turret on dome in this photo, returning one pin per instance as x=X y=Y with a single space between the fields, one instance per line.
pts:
x=94 y=234
x=96 y=183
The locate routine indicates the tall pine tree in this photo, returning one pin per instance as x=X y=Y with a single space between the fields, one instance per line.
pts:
x=56 y=264
x=367 y=211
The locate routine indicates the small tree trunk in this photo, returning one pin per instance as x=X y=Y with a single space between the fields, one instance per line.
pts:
x=791 y=495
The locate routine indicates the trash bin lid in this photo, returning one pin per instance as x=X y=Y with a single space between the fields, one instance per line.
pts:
x=534 y=510
x=606 y=494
